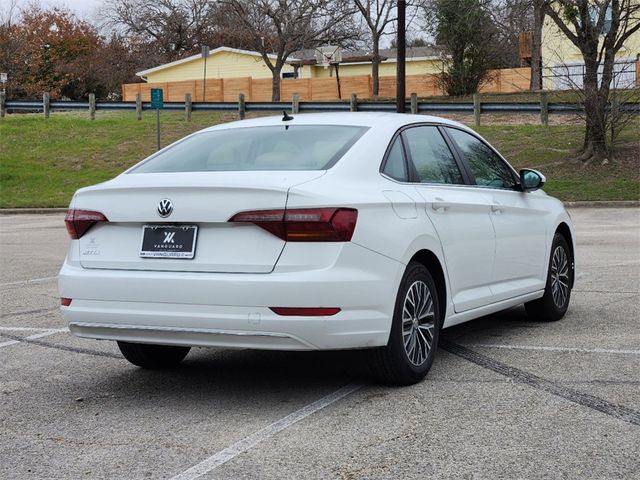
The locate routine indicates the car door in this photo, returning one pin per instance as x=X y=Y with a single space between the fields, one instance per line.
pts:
x=460 y=215
x=518 y=219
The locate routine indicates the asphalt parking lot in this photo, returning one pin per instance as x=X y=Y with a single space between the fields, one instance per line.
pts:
x=506 y=398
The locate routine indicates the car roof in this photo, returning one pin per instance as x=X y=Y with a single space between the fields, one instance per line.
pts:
x=364 y=119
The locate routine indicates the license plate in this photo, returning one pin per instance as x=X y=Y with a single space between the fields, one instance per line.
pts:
x=168 y=241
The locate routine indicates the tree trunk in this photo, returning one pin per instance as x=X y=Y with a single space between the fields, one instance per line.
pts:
x=375 y=66
x=536 y=45
x=595 y=105
x=275 y=83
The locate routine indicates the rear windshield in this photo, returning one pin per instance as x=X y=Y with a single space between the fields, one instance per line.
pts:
x=286 y=147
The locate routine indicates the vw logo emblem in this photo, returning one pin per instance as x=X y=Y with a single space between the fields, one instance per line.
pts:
x=165 y=207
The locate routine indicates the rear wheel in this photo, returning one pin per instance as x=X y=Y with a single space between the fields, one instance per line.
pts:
x=413 y=340
x=553 y=305
x=153 y=357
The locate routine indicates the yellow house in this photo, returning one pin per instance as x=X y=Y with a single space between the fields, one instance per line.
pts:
x=226 y=62
x=419 y=61
x=222 y=62
x=231 y=72
x=563 y=66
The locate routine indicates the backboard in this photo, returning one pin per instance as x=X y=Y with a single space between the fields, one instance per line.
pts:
x=328 y=55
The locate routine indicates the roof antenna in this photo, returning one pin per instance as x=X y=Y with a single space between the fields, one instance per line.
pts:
x=286 y=117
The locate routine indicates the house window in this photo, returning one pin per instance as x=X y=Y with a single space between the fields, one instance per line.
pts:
x=594 y=12
x=289 y=75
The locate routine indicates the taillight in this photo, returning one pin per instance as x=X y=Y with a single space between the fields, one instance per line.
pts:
x=304 y=224
x=79 y=221
x=65 y=302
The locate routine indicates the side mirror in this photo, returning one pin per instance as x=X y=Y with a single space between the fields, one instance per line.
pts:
x=531 y=180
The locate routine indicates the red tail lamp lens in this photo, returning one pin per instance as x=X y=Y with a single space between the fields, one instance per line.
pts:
x=78 y=222
x=304 y=225
x=304 y=312
x=65 y=302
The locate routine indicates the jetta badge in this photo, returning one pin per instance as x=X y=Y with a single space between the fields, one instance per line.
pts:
x=165 y=207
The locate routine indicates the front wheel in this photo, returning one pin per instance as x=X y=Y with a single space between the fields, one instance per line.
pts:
x=153 y=357
x=415 y=327
x=557 y=293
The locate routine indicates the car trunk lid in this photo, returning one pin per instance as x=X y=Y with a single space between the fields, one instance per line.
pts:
x=203 y=199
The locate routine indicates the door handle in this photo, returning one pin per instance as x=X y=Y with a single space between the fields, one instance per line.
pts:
x=497 y=209
x=440 y=207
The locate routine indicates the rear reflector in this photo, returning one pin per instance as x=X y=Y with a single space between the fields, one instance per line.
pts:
x=305 y=224
x=65 y=302
x=78 y=222
x=304 y=312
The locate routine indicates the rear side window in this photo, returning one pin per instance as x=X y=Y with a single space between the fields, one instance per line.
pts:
x=487 y=167
x=287 y=147
x=395 y=166
x=431 y=157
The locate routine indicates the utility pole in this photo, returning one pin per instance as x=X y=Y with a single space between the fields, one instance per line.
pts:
x=205 y=54
x=401 y=56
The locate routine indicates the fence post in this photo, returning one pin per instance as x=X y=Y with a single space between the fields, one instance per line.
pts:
x=45 y=104
x=414 y=103
x=92 y=106
x=477 y=108
x=3 y=101
x=295 y=103
x=353 y=103
x=544 y=108
x=188 y=106
x=138 y=106
x=241 y=106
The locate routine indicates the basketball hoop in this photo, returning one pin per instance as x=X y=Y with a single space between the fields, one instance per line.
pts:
x=329 y=55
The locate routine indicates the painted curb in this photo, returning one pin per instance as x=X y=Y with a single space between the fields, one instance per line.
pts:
x=32 y=211
x=602 y=204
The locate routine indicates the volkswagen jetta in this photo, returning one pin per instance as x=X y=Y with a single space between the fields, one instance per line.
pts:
x=323 y=231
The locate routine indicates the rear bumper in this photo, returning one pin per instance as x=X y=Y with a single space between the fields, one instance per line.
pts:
x=232 y=310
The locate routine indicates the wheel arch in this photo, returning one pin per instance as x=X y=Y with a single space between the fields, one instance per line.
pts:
x=564 y=230
x=432 y=263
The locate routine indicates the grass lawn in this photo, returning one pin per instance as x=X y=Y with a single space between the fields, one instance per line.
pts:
x=42 y=162
x=552 y=150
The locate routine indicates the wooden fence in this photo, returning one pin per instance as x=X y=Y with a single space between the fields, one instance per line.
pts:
x=310 y=89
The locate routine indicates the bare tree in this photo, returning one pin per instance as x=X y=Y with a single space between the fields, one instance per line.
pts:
x=378 y=15
x=280 y=27
x=598 y=28
x=511 y=17
x=174 y=27
x=8 y=12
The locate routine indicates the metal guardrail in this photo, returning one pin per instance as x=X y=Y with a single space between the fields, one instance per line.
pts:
x=334 y=106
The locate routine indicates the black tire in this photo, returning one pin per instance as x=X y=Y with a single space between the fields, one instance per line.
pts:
x=392 y=364
x=153 y=357
x=557 y=293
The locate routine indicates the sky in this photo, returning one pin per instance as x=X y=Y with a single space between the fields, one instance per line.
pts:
x=85 y=9
x=89 y=10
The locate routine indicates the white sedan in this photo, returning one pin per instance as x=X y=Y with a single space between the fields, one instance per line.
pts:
x=323 y=231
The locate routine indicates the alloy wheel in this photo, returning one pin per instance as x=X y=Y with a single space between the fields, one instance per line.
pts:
x=559 y=276
x=418 y=322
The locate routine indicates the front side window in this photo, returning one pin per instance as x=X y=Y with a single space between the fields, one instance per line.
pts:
x=287 y=147
x=431 y=157
x=487 y=167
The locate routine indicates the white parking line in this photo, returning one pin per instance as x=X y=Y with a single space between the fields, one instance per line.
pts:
x=223 y=456
x=45 y=333
x=32 y=280
x=554 y=349
x=33 y=329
